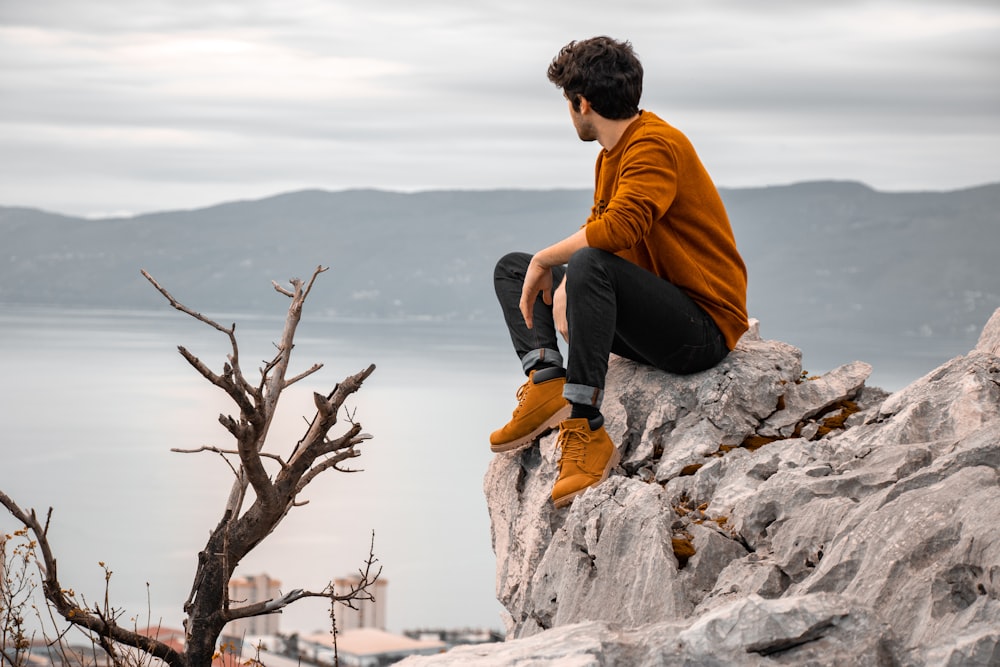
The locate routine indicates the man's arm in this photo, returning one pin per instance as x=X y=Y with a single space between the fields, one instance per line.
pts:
x=538 y=277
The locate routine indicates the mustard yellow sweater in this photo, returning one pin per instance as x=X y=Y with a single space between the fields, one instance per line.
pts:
x=656 y=206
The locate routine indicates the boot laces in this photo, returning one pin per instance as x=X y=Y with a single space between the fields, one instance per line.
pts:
x=573 y=442
x=522 y=393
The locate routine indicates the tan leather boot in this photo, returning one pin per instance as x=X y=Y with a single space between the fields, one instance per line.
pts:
x=540 y=408
x=586 y=459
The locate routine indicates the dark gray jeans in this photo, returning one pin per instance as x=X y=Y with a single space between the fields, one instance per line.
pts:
x=612 y=305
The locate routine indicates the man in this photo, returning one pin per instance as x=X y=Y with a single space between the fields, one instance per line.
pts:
x=653 y=275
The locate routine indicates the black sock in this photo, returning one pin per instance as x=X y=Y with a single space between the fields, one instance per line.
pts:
x=545 y=372
x=583 y=411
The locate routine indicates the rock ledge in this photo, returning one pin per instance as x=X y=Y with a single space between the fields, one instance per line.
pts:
x=762 y=517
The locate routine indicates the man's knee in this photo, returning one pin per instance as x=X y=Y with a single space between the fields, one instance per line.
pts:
x=510 y=265
x=588 y=261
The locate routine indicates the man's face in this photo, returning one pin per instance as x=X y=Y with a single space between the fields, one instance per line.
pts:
x=584 y=128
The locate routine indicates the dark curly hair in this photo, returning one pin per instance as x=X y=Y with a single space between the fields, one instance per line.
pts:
x=603 y=70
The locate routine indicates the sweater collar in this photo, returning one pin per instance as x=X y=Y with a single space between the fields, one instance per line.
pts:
x=627 y=134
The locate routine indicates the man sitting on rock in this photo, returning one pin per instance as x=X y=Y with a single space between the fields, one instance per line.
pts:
x=653 y=275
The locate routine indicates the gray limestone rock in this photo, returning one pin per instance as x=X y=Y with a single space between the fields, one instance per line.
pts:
x=809 y=398
x=821 y=629
x=523 y=522
x=590 y=644
x=612 y=560
x=754 y=574
x=814 y=629
x=760 y=518
x=989 y=339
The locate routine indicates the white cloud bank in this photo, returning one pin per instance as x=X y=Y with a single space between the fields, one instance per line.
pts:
x=148 y=105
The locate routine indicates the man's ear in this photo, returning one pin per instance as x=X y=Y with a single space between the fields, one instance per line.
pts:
x=584 y=105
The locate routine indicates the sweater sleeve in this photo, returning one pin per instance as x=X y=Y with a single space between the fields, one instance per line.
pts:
x=644 y=186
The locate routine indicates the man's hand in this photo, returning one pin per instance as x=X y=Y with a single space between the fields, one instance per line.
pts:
x=537 y=279
x=559 y=310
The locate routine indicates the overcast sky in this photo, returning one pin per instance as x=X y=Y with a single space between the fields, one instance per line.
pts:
x=111 y=106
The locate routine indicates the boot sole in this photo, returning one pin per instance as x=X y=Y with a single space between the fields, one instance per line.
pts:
x=616 y=457
x=552 y=423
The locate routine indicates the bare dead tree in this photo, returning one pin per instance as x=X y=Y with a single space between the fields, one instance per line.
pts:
x=247 y=518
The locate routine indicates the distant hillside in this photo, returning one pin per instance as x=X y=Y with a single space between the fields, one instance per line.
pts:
x=391 y=255
x=823 y=257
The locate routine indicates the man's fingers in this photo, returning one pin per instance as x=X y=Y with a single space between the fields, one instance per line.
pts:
x=526 y=312
x=563 y=328
x=536 y=279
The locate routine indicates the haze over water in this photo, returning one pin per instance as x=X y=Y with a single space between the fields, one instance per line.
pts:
x=95 y=401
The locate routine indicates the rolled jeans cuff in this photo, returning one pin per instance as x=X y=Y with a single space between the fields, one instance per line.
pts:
x=551 y=357
x=583 y=395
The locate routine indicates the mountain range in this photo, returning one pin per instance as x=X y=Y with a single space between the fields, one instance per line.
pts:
x=826 y=259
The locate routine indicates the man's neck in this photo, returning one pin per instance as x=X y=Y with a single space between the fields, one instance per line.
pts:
x=609 y=132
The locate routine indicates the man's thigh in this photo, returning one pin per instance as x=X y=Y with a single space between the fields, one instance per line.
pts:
x=657 y=323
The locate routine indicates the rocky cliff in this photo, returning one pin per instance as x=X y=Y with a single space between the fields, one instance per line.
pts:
x=762 y=516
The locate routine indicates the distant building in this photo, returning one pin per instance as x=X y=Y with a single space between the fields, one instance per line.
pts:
x=365 y=647
x=456 y=636
x=248 y=590
x=369 y=613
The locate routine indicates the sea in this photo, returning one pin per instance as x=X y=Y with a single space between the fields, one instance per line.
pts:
x=93 y=403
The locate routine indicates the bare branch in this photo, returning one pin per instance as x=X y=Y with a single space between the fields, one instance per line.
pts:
x=307 y=452
x=350 y=386
x=265 y=372
x=224 y=452
x=235 y=390
x=366 y=579
x=281 y=290
x=272 y=384
x=324 y=465
x=91 y=620
x=326 y=416
x=239 y=430
x=353 y=437
x=184 y=309
x=319 y=269
x=272 y=606
x=305 y=374
x=199 y=366
x=359 y=591
x=322 y=405
x=238 y=383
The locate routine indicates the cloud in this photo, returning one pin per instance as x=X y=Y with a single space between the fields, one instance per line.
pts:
x=210 y=100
